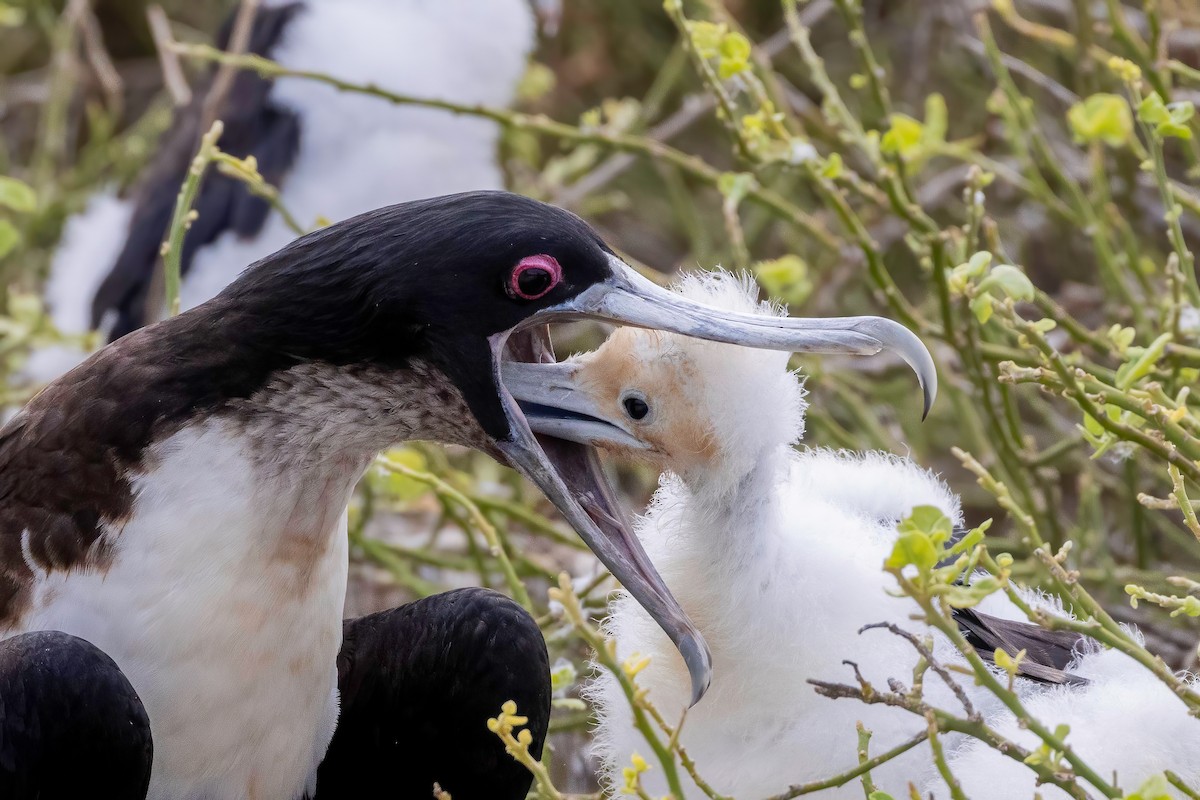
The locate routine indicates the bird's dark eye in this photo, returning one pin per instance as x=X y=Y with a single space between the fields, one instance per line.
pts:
x=636 y=407
x=533 y=277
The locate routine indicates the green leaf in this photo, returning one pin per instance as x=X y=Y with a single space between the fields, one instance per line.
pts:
x=1181 y=111
x=10 y=237
x=929 y=520
x=936 y=119
x=754 y=129
x=562 y=675
x=17 y=195
x=904 y=136
x=706 y=36
x=1152 y=110
x=968 y=595
x=1174 y=130
x=921 y=535
x=727 y=68
x=1045 y=325
x=981 y=307
x=1011 y=281
x=879 y=796
x=972 y=538
x=1102 y=117
x=913 y=548
x=785 y=278
x=913 y=140
x=969 y=271
x=833 y=167
x=1168 y=120
x=734 y=50
x=1154 y=788
x=1121 y=337
x=1143 y=362
x=978 y=263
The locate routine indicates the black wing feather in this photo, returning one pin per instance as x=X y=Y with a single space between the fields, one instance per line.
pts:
x=417 y=685
x=71 y=725
x=1047 y=653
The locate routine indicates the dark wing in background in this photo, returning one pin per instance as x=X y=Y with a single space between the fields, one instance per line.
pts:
x=1047 y=653
x=253 y=126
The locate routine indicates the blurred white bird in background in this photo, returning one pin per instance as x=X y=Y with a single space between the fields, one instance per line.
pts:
x=332 y=154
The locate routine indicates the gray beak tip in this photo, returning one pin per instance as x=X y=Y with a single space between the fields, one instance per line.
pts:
x=699 y=663
x=895 y=337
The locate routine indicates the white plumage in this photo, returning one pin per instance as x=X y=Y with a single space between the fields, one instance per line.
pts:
x=356 y=152
x=777 y=556
x=223 y=607
x=1124 y=722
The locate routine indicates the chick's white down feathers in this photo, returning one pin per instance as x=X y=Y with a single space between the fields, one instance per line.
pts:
x=776 y=555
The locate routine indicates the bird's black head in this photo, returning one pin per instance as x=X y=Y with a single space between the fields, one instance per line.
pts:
x=466 y=282
x=435 y=280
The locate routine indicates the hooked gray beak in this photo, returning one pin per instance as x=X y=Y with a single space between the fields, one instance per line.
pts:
x=559 y=459
x=570 y=476
x=629 y=299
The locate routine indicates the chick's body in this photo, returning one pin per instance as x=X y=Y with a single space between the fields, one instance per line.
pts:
x=777 y=555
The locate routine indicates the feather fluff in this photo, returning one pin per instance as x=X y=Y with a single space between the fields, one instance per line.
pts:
x=777 y=555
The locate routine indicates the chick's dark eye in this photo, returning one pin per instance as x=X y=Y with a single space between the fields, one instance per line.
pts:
x=636 y=407
x=533 y=277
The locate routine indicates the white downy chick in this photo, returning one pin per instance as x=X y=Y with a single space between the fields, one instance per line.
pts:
x=777 y=556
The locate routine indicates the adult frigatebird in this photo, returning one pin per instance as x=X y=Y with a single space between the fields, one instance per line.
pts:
x=178 y=500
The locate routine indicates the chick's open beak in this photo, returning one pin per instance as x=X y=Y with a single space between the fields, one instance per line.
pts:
x=556 y=403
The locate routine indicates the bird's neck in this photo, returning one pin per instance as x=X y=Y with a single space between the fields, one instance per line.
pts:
x=305 y=428
x=716 y=540
x=315 y=412
x=737 y=501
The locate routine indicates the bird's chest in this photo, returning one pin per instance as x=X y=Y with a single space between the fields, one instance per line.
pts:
x=223 y=605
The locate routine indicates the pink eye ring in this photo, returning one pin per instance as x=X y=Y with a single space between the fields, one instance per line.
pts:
x=533 y=277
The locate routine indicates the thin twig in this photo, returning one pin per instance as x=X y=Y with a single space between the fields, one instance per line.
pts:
x=100 y=61
x=239 y=40
x=168 y=59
